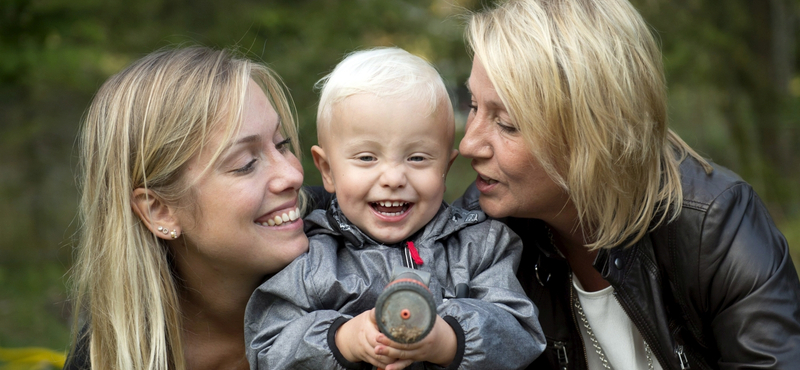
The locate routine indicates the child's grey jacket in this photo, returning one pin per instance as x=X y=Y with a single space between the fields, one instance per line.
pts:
x=291 y=319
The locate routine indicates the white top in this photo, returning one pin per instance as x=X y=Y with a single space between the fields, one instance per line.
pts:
x=620 y=339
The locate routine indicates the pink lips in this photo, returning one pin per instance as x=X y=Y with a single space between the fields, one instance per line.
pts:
x=483 y=185
x=391 y=213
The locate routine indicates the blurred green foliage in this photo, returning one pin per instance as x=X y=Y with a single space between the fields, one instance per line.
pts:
x=732 y=70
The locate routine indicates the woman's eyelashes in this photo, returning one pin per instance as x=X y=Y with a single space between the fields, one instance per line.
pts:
x=246 y=168
x=284 y=146
x=506 y=128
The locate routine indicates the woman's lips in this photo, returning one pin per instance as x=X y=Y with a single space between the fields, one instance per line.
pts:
x=484 y=184
x=277 y=220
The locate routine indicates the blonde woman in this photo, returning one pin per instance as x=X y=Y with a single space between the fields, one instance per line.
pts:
x=190 y=198
x=638 y=253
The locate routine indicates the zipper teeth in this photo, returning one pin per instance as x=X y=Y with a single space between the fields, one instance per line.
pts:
x=656 y=350
x=575 y=319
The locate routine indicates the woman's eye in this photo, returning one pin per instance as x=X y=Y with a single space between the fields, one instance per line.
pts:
x=473 y=107
x=507 y=128
x=246 y=168
x=284 y=146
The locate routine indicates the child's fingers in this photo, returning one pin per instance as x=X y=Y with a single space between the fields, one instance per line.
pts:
x=372 y=317
x=399 y=365
x=383 y=360
x=384 y=340
x=397 y=353
x=378 y=363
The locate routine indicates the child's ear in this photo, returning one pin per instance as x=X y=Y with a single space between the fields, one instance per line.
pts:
x=324 y=167
x=155 y=214
x=453 y=156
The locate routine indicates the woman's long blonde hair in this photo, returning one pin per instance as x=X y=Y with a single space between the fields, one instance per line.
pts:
x=143 y=125
x=584 y=82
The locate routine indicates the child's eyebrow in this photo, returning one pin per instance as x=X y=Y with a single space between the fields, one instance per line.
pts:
x=354 y=143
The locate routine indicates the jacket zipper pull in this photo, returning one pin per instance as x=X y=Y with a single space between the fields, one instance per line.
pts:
x=561 y=353
x=682 y=357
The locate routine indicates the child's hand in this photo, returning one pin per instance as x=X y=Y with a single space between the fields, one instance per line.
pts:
x=357 y=339
x=438 y=347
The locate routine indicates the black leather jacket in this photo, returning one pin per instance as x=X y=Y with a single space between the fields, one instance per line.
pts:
x=714 y=289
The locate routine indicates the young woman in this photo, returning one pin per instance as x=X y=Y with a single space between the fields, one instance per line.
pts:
x=190 y=198
x=638 y=253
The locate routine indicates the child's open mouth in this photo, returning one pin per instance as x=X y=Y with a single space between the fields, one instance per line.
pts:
x=390 y=208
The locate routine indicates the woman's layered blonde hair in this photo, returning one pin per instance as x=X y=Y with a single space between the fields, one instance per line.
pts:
x=584 y=82
x=141 y=128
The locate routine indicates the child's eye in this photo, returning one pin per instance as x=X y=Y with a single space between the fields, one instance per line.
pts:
x=246 y=168
x=416 y=158
x=366 y=158
x=284 y=146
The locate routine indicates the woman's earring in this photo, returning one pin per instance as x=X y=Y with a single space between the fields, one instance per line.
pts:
x=163 y=230
x=173 y=234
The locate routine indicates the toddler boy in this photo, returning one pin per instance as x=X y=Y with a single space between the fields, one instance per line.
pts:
x=386 y=130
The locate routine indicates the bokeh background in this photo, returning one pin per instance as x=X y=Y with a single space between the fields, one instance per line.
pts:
x=732 y=68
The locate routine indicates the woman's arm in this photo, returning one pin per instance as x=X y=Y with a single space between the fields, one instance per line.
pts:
x=748 y=284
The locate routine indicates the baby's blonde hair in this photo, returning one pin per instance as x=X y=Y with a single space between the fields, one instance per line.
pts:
x=142 y=127
x=584 y=82
x=382 y=72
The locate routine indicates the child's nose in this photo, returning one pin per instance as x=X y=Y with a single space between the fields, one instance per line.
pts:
x=393 y=176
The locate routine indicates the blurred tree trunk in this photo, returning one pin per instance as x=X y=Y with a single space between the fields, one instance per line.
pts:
x=772 y=42
x=744 y=52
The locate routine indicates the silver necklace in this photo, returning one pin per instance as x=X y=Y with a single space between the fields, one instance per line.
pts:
x=595 y=343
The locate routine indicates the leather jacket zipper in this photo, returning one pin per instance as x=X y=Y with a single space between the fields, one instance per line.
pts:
x=656 y=350
x=572 y=297
x=682 y=357
x=561 y=353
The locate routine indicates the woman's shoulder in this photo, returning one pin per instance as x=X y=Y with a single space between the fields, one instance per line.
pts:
x=701 y=189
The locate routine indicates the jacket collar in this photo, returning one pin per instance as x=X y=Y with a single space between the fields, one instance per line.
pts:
x=332 y=221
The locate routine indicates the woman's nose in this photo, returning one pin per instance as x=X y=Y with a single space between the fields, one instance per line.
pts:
x=287 y=175
x=475 y=143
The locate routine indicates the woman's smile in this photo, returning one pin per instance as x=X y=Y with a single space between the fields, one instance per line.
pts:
x=280 y=219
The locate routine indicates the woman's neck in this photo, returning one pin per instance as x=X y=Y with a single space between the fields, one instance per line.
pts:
x=571 y=240
x=213 y=308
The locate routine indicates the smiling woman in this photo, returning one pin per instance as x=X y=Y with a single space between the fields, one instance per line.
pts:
x=190 y=199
